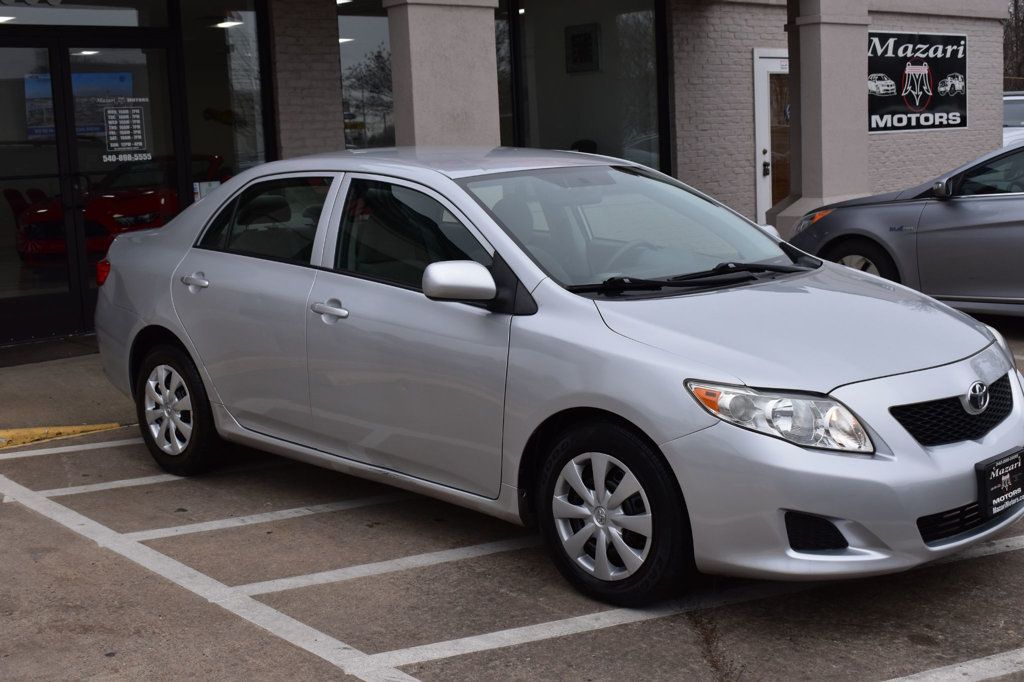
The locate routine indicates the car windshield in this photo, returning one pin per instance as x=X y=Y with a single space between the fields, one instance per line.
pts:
x=585 y=225
x=1013 y=113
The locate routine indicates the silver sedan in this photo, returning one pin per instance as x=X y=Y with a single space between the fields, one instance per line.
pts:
x=958 y=237
x=575 y=342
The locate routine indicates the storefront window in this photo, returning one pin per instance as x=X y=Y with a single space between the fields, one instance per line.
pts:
x=365 y=54
x=225 y=113
x=84 y=12
x=588 y=76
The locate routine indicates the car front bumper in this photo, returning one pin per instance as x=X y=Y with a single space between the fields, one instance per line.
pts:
x=739 y=484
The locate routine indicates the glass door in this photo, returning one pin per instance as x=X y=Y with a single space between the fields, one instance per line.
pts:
x=39 y=271
x=123 y=149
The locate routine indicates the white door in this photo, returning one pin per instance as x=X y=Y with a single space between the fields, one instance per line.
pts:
x=771 y=127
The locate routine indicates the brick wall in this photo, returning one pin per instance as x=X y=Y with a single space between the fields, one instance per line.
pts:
x=898 y=160
x=307 y=76
x=713 y=60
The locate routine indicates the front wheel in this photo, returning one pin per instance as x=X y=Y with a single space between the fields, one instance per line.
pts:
x=174 y=412
x=613 y=517
x=864 y=255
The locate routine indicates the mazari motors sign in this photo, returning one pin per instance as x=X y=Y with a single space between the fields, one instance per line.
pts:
x=916 y=81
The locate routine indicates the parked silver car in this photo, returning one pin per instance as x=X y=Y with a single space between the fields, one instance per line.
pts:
x=573 y=341
x=957 y=237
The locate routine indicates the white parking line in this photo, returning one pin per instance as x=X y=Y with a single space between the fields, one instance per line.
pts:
x=985 y=668
x=109 y=485
x=18 y=454
x=151 y=480
x=273 y=621
x=266 y=517
x=390 y=566
x=610 y=618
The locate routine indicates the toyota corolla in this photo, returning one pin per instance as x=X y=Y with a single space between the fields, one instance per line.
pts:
x=575 y=342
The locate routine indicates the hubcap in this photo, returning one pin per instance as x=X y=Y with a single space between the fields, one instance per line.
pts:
x=861 y=263
x=602 y=516
x=168 y=409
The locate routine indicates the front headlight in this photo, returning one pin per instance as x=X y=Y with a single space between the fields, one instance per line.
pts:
x=810 y=219
x=810 y=421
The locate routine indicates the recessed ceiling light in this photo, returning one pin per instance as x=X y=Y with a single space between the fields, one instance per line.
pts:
x=85 y=53
x=228 y=24
x=522 y=11
x=345 y=40
x=4 y=20
x=344 y=2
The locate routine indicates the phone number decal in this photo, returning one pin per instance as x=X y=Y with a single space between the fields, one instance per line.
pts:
x=121 y=158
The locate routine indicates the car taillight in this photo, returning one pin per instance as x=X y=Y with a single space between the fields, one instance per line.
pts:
x=102 y=271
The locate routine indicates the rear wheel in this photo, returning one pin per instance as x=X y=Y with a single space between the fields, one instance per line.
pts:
x=174 y=412
x=612 y=516
x=865 y=256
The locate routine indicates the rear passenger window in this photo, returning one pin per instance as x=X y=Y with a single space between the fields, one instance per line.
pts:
x=392 y=233
x=274 y=219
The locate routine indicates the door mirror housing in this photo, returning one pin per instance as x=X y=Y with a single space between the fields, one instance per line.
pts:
x=943 y=189
x=770 y=229
x=458 y=280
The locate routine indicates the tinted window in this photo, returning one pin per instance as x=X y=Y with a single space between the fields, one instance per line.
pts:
x=998 y=176
x=274 y=219
x=1013 y=113
x=393 y=233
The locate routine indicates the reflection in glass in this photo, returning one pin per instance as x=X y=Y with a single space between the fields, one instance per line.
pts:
x=33 y=246
x=589 y=78
x=84 y=12
x=503 y=45
x=224 y=92
x=125 y=149
x=365 y=55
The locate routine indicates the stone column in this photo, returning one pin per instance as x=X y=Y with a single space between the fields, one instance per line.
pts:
x=829 y=117
x=444 y=71
x=307 y=77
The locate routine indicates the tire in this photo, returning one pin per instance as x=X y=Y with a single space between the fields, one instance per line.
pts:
x=665 y=554
x=864 y=255
x=189 y=443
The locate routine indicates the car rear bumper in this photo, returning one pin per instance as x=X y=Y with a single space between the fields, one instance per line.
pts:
x=738 y=486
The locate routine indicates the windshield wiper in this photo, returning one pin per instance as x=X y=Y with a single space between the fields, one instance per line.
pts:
x=615 y=285
x=731 y=267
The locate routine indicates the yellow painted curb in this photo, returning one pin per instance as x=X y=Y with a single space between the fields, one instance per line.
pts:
x=10 y=438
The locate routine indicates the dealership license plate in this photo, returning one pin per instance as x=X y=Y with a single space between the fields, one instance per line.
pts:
x=1000 y=483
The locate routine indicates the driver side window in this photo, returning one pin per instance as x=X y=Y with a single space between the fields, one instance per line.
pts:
x=1003 y=175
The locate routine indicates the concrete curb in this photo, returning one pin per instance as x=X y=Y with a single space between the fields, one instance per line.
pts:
x=10 y=438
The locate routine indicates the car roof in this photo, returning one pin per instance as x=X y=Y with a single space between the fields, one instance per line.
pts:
x=454 y=162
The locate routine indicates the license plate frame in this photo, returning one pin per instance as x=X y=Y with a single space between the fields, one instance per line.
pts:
x=1000 y=483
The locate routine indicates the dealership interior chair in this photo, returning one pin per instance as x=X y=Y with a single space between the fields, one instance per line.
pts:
x=16 y=201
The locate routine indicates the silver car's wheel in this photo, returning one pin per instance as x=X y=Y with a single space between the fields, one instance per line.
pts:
x=857 y=262
x=168 y=408
x=602 y=516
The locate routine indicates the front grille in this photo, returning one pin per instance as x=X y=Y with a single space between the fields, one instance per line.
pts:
x=813 y=533
x=940 y=422
x=946 y=524
x=949 y=523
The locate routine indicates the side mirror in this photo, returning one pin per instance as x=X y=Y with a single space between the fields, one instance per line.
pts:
x=458 y=280
x=770 y=229
x=942 y=189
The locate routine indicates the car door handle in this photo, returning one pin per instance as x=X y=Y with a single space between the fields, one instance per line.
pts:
x=196 y=279
x=330 y=308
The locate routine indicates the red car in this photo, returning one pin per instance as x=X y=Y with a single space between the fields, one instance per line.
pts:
x=133 y=196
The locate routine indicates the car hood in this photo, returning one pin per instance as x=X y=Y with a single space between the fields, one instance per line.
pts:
x=812 y=332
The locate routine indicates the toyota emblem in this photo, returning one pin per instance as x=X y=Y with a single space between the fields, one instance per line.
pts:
x=976 y=400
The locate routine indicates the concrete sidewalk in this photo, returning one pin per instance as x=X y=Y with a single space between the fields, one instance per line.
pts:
x=69 y=391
